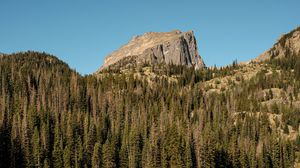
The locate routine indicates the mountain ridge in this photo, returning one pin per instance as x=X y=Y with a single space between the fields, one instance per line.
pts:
x=287 y=44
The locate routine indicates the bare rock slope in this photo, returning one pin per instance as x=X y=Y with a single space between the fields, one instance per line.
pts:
x=158 y=47
x=287 y=44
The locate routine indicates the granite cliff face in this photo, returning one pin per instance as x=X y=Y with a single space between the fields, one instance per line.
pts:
x=158 y=47
x=287 y=44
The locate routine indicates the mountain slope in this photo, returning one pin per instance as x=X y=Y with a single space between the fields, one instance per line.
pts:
x=287 y=44
x=171 y=47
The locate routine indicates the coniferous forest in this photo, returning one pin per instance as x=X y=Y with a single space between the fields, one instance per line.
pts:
x=148 y=116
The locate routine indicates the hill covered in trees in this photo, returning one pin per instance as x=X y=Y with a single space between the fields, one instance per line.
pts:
x=148 y=115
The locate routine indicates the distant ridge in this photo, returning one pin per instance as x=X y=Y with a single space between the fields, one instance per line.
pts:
x=287 y=44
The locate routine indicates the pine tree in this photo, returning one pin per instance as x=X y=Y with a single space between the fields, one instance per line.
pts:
x=266 y=157
x=46 y=163
x=276 y=154
x=67 y=157
x=36 y=148
x=172 y=148
x=108 y=151
x=89 y=144
x=124 y=163
x=78 y=153
x=135 y=149
x=188 y=162
x=244 y=160
x=26 y=142
x=96 y=158
x=57 y=154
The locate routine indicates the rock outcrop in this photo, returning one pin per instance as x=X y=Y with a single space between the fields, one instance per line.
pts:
x=172 y=47
x=287 y=44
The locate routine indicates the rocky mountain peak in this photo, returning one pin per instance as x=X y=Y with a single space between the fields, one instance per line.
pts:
x=173 y=47
x=287 y=44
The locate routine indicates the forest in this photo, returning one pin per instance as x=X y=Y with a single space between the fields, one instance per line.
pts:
x=51 y=116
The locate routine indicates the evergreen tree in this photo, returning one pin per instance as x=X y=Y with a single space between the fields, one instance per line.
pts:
x=57 y=154
x=67 y=157
x=108 y=151
x=96 y=159
x=36 y=148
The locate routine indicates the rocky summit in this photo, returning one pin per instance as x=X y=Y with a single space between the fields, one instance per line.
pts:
x=173 y=47
x=287 y=44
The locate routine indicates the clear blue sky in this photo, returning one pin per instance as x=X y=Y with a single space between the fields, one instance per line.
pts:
x=82 y=33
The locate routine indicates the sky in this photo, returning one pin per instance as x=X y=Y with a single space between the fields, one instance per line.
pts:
x=82 y=33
